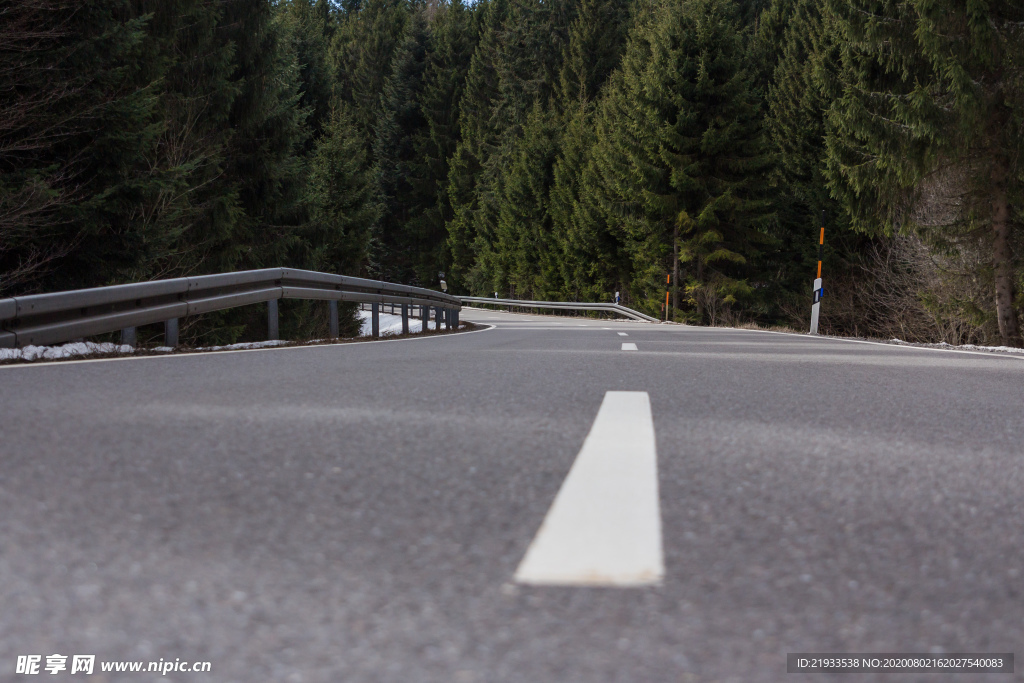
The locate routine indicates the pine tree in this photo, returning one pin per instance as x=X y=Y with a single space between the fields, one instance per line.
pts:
x=588 y=255
x=175 y=223
x=593 y=263
x=452 y=41
x=524 y=255
x=680 y=155
x=796 y=47
x=264 y=163
x=400 y=124
x=471 y=171
x=79 y=115
x=361 y=54
x=341 y=198
x=594 y=48
x=518 y=61
x=309 y=26
x=929 y=130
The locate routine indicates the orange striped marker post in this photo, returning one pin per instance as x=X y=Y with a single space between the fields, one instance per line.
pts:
x=668 y=282
x=818 y=291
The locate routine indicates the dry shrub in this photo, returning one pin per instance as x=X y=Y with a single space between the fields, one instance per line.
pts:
x=898 y=287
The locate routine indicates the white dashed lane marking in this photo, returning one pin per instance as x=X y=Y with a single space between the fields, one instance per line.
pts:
x=604 y=527
x=623 y=334
x=628 y=346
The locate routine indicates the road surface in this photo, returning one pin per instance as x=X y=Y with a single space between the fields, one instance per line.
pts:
x=362 y=512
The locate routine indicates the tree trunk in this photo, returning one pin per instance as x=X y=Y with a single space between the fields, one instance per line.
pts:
x=675 y=269
x=1002 y=257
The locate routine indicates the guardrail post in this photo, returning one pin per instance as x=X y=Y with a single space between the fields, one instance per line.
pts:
x=128 y=337
x=334 y=320
x=272 y=328
x=376 y=320
x=171 y=332
x=405 y=318
x=425 y=315
x=437 y=317
x=456 y=312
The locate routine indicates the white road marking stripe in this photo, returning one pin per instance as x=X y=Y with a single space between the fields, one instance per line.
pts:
x=623 y=334
x=629 y=346
x=604 y=527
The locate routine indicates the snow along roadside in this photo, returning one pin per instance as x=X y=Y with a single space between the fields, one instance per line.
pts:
x=389 y=325
x=954 y=347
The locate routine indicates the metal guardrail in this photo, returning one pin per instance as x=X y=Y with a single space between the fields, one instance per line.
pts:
x=65 y=316
x=561 y=305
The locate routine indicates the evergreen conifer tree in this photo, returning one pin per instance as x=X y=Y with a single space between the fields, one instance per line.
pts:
x=186 y=211
x=796 y=47
x=341 y=198
x=452 y=36
x=79 y=117
x=400 y=124
x=362 y=52
x=264 y=163
x=680 y=155
x=524 y=256
x=929 y=132
x=587 y=254
x=471 y=171
x=309 y=25
x=526 y=62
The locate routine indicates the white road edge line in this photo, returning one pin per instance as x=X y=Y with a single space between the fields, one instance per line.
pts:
x=604 y=526
x=826 y=338
x=629 y=346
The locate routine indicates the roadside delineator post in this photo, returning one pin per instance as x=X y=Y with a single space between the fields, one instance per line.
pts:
x=818 y=290
x=668 y=283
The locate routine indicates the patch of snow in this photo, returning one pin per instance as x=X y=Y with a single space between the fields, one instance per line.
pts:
x=390 y=324
x=962 y=347
x=72 y=350
x=245 y=345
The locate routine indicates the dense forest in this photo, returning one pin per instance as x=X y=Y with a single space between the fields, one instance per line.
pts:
x=546 y=149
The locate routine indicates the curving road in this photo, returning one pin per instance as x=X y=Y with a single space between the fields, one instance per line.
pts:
x=362 y=512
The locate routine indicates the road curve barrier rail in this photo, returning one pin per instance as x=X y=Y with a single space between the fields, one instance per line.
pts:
x=43 y=319
x=560 y=305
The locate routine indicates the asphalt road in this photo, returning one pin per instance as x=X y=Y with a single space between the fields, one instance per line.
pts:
x=357 y=512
